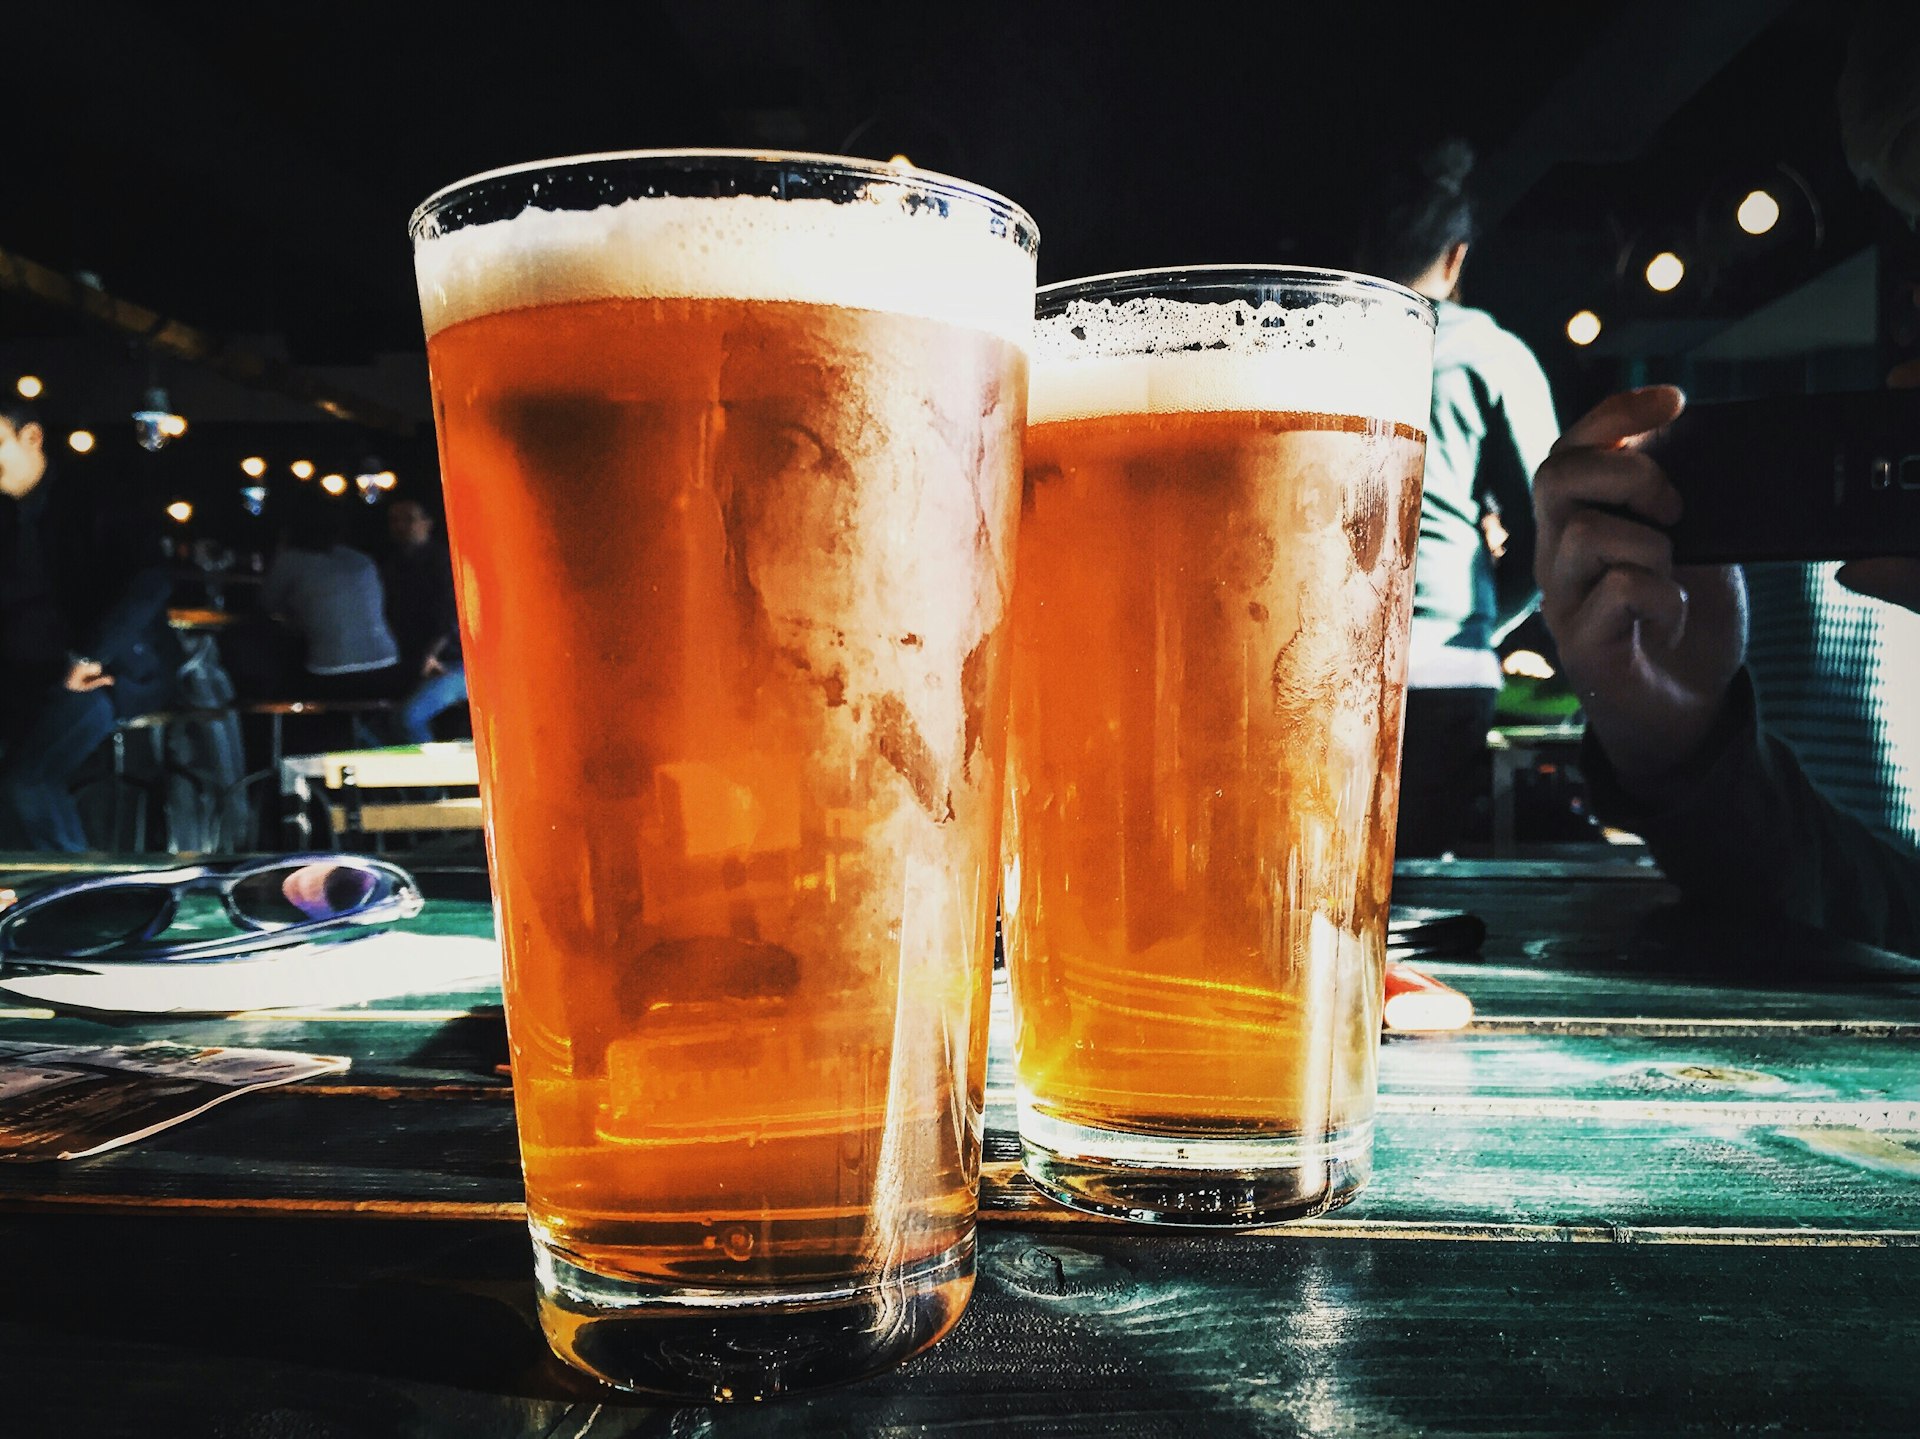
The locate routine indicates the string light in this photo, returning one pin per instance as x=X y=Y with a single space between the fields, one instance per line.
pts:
x=1583 y=328
x=80 y=441
x=302 y=469
x=1665 y=271
x=253 y=467
x=334 y=484
x=180 y=511
x=1758 y=213
x=157 y=425
x=370 y=480
x=29 y=387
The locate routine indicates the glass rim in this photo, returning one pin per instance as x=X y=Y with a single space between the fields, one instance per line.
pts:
x=852 y=166
x=1319 y=277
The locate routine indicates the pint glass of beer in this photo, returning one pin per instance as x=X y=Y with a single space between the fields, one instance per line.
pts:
x=1215 y=580
x=732 y=446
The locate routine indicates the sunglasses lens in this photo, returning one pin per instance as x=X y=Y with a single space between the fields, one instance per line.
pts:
x=92 y=920
x=301 y=893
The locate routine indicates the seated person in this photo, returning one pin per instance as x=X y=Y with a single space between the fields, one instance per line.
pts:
x=420 y=611
x=1675 y=749
x=331 y=597
x=84 y=638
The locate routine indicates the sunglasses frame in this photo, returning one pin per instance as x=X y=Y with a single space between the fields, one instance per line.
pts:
x=403 y=900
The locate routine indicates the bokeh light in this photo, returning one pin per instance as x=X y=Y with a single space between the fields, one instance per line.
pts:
x=1665 y=271
x=1758 y=213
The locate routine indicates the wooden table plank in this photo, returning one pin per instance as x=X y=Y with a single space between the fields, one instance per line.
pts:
x=301 y=1327
x=455 y=1155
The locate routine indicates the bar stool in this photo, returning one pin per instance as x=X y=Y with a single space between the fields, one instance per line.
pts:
x=277 y=712
x=153 y=785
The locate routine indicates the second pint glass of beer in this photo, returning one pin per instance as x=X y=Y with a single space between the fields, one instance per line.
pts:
x=1215 y=580
x=731 y=446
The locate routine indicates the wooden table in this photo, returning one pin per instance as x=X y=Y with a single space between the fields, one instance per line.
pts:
x=1669 y=1182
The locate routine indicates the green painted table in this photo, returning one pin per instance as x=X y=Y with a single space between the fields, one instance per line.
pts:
x=1668 y=1183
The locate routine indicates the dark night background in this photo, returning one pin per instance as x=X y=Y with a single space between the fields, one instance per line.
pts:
x=248 y=171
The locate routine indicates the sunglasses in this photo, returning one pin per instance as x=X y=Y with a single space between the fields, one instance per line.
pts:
x=283 y=900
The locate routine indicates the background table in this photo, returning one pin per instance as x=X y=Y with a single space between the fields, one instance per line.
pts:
x=1669 y=1182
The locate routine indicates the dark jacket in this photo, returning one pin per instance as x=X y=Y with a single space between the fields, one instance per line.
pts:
x=420 y=604
x=1745 y=826
x=78 y=577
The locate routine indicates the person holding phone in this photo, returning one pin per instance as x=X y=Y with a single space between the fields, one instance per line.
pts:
x=1675 y=750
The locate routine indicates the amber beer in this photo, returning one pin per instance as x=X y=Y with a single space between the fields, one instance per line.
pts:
x=1215 y=579
x=731 y=486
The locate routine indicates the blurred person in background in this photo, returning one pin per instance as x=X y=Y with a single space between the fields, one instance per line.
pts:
x=1491 y=425
x=330 y=596
x=420 y=611
x=84 y=638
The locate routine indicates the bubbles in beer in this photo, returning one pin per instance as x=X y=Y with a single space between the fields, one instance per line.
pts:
x=1157 y=355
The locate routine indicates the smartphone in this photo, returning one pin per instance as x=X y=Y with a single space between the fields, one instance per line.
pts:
x=1799 y=477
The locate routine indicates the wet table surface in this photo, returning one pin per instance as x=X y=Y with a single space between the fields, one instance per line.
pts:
x=1668 y=1182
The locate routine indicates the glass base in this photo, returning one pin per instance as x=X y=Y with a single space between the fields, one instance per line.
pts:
x=718 y=1346
x=1236 y=1183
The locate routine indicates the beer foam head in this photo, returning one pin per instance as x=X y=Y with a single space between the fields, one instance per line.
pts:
x=876 y=252
x=1365 y=349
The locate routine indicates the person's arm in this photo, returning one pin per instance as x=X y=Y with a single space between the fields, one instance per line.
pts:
x=445 y=650
x=1674 y=750
x=1742 y=825
x=139 y=607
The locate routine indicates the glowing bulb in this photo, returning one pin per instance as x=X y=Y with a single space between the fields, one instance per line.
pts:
x=1665 y=271
x=1583 y=328
x=180 y=512
x=1758 y=213
x=173 y=426
x=29 y=387
x=901 y=162
x=253 y=467
x=80 y=441
x=334 y=484
x=302 y=469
